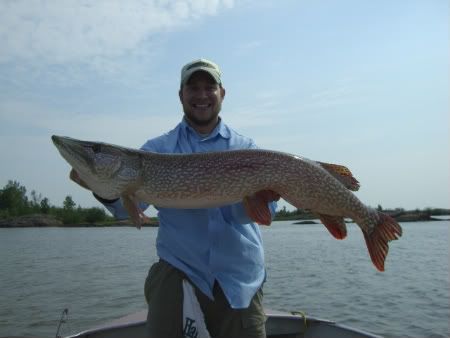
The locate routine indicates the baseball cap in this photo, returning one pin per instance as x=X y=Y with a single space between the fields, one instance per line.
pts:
x=200 y=65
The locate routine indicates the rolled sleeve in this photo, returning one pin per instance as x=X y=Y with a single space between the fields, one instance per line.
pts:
x=117 y=210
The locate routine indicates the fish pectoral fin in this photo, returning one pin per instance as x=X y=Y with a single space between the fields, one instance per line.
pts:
x=257 y=210
x=131 y=205
x=386 y=230
x=335 y=225
x=342 y=174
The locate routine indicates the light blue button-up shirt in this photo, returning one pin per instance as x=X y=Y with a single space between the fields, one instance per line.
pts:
x=208 y=245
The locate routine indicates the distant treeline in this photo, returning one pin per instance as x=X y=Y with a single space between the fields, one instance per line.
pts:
x=14 y=202
x=285 y=214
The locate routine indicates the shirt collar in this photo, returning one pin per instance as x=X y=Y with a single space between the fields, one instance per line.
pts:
x=221 y=129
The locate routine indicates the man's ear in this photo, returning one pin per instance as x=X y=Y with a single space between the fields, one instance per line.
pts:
x=222 y=92
x=180 y=94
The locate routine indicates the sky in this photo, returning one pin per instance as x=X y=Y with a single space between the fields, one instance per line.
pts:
x=359 y=83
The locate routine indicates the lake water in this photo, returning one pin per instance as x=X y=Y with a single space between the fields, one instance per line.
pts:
x=98 y=274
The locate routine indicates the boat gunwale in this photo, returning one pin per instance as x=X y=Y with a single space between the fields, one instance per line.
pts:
x=139 y=318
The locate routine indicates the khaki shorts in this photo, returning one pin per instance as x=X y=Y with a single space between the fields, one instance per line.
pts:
x=164 y=295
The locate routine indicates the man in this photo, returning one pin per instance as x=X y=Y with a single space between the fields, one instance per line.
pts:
x=218 y=250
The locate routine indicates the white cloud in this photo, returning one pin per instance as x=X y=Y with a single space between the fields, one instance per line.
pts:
x=248 y=47
x=332 y=96
x=260 y=110
x=72 y=31
x=25 y=118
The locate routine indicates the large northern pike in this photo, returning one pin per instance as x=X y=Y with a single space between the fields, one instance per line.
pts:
x=206 y=180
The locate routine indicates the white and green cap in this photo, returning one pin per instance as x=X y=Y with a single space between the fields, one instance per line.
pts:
x=200 y=65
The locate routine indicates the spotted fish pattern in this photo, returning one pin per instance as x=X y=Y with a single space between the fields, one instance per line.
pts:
x=207 y=180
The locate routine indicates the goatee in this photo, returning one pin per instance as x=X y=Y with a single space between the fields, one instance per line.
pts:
x=200 y=122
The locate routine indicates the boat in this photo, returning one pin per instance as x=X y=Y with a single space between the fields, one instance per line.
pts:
x=278 y=325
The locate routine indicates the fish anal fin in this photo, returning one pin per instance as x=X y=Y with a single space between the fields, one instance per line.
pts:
x=342 y=174
x=386 y=230
x=257 y=210
x=335 y=225
x=131 y=205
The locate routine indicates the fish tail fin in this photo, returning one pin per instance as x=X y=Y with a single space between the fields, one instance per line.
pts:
x=335 y=225
x=386 y=230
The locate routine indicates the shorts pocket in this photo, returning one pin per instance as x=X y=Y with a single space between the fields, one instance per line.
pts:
x=253 y=318
x=150 y=280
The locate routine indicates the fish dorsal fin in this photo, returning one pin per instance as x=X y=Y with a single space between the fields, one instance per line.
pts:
x=343 y=175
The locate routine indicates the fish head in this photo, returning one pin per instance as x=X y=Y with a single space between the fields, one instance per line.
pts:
x=106 y=169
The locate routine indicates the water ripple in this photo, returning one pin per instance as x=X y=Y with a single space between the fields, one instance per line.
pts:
x=99 y=276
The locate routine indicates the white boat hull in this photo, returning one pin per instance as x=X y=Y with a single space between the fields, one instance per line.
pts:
x=278 y=323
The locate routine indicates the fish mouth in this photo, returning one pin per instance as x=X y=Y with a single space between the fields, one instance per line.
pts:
x=70 y=143
x=74 y=151
x=61 y=143
x=57 y=140
x=64 y=141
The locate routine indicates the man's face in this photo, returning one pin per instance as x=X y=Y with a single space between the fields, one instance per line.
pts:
x=202 y=98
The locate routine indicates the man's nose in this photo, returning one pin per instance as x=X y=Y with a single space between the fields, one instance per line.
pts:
x=202 y=93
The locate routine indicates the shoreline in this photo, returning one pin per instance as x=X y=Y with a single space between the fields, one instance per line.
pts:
x=48 y=221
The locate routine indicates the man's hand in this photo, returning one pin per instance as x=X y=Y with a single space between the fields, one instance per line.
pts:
x=257 y=208
x=76 y=178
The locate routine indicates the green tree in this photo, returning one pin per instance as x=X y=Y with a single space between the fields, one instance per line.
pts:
x=35 y=201
x=44 y=206
x=13 y=199
x=95 y=214
x=69 y=214
x=68 y=203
